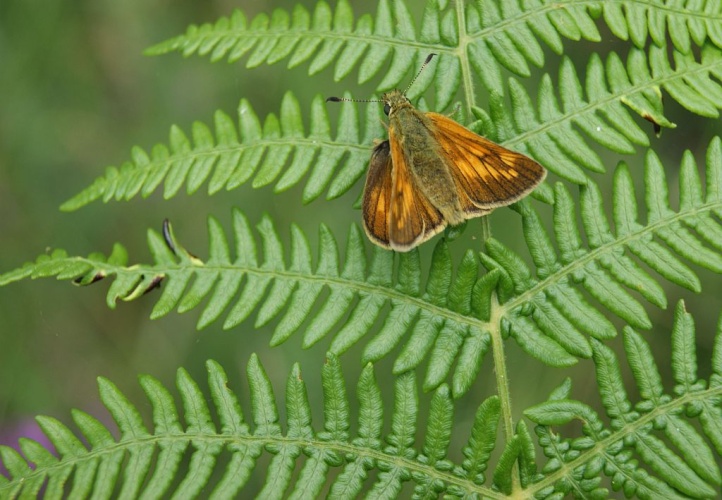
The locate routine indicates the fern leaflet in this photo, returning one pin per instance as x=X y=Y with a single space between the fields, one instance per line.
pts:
x=451 y=319
x=642 y=432
x=280 y=151
x=650 y=449
x=490 y=34
x=550 y=312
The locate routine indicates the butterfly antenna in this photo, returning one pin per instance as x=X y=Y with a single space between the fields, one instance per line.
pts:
x=426 y=62
x=342 y=99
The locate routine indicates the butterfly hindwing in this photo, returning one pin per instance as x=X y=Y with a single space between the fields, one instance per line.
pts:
x=377 y=195
x=396 y=214
x=413 y=219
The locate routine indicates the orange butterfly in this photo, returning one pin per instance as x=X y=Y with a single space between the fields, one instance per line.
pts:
x=433 y=172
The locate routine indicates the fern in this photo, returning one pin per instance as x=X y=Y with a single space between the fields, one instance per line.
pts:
x=329 y=36
x=449 y=320
x=227 y=160
x=586 y=276
x=649 y=450
x=358 y=288
x=607 y=270
x=642 y=431
x=280 y=151
x=491 y=34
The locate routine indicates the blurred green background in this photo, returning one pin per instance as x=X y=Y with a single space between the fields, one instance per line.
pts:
x=76 y=94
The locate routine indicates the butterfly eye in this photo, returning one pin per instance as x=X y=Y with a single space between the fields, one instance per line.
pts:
x=387 y=109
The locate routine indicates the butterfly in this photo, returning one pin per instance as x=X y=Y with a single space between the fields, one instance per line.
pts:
x=433 y=172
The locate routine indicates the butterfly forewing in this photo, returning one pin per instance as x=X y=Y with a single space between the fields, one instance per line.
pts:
x=488 y=175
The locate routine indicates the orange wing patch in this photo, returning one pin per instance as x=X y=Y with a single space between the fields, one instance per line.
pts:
x=412 y=217
x=486 y=174
x=377 y=195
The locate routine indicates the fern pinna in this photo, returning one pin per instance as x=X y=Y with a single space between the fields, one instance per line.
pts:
x=217 y=455
x=495 y=36
x=279 y=151
x=448 y=320
x=588 y=273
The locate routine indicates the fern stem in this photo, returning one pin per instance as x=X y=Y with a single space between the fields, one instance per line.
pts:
x=485 y=231
x=502 y=378
x=464 y=40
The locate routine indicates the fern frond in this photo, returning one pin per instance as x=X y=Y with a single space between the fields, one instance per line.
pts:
x=651 y=449
x=492 y=35
x=547 y=313
x=143 y=463
x=348 y=297
x=684 y=22
x=280 y=151
x=449 y=320
x=259 y=152
x=83 y=270
x=656 y=448
x=499 y=38
x=550 y=130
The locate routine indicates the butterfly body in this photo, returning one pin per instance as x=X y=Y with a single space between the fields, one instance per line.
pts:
x=433 y=172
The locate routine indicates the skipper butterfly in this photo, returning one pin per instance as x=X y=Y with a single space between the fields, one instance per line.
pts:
x=433 y=172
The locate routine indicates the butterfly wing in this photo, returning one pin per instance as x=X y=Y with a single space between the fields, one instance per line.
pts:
x=413 y=219
x=397 y=215
x=377 y=195
x=487 y=175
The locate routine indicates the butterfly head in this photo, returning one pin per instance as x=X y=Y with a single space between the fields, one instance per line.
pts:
x=394 y=100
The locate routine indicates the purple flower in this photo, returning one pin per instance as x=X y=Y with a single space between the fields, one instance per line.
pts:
x=11 y=432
